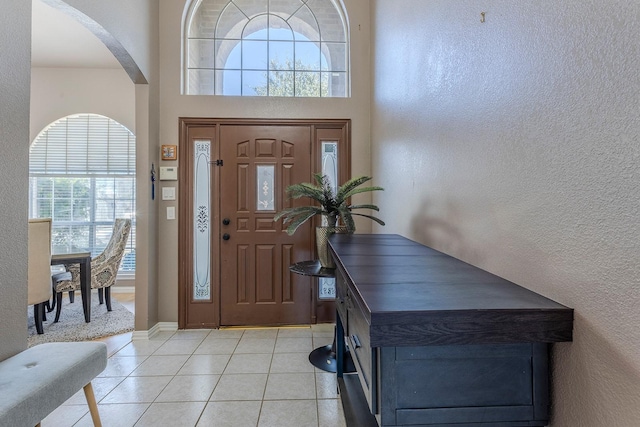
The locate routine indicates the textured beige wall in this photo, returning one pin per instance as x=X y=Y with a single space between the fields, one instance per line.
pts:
x=173 y=105
x=132 y=29
x=131 y=24
x=513 y=145
x=15 y=21
x=59 y=92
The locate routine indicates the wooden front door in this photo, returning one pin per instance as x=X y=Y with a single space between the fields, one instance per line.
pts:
x=233 y=266
x=256 y=286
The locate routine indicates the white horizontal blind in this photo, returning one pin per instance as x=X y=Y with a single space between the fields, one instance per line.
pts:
x=83 y=144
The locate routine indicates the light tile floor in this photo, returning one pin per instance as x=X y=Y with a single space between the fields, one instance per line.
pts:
x=228 y=377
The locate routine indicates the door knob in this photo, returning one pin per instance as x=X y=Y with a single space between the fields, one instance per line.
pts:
x=226 y=236
x=226 y=221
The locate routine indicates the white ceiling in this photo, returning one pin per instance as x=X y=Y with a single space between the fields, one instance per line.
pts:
x=57 y=40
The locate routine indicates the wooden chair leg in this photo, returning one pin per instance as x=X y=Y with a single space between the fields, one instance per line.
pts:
x=48 y=305
x=38 y=314
x=93 y=406
x=52 y=304
x=72 y=294
x=59 y=307
x=101 y=295
x=107 y=297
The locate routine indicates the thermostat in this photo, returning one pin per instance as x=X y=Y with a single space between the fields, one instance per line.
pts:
x=169 y=173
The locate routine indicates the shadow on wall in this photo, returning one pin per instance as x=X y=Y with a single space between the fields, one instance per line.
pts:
x=440 y=232
x=594 y=385
x=491 y=239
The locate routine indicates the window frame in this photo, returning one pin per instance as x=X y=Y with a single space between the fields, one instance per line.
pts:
x=336 y=78
x=103 y=134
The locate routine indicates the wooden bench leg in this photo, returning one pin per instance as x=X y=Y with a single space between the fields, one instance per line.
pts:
x=93 y=406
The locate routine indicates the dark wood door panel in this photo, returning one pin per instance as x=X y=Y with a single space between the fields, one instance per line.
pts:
x=256 y=285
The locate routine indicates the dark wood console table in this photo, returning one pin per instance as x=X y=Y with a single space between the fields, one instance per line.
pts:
x=438 y=342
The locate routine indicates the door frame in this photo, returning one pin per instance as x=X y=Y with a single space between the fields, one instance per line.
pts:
x=206 y=314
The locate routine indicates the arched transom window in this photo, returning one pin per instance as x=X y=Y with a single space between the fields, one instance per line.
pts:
x=266 y=48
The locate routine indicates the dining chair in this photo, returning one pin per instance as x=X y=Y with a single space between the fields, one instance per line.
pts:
x=104 y=268
x=39 y=268
x=58 y=276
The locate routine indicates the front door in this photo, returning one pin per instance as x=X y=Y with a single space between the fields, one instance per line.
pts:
x=256 y=286
x=233 y=259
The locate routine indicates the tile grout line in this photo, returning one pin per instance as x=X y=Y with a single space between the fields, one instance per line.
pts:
x=201 y=340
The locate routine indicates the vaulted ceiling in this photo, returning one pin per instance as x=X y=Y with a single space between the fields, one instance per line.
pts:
x=60 y=41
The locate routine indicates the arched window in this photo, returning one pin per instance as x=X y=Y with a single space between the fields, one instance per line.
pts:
x=82 y=175
x=266 y=48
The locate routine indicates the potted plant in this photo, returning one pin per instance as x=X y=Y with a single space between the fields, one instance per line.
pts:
x=331 y=206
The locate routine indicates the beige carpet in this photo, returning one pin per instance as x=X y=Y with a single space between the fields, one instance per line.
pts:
x=72 y=326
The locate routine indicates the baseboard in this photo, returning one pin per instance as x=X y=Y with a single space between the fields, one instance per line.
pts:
x=144 y=335
x=168 y=326
x=123 y=289
x=158 y=327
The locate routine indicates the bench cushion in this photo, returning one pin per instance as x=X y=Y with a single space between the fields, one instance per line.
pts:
x=36 y=381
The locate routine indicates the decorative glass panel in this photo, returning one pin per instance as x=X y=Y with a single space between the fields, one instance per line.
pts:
x=202 y=221
x=326 y=288
x=330 y=161
x=265 y=183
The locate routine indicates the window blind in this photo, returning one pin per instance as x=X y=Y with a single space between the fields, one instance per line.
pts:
x=83 y=144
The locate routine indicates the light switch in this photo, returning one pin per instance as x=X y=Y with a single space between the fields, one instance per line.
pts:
x=168 y=193
x=171 y=212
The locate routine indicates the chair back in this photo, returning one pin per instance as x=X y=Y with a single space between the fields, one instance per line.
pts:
x=39 y=261
x=119 y=237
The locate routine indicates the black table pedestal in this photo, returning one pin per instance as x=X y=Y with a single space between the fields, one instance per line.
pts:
x=322 y=357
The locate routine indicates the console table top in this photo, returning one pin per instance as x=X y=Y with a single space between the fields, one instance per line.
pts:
x=399 y=281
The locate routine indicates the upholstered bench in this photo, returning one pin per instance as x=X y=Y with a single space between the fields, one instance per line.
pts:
x=36 y=381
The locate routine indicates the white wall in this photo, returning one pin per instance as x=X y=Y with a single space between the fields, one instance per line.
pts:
x=513 y=145
x=59 y=92
x=15 y=21
x=173 y=105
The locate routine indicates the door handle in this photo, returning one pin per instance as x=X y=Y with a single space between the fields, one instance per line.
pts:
x=226 y=236
x=226 y=221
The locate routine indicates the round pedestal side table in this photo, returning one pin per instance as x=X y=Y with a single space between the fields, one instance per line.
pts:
x=322 y=357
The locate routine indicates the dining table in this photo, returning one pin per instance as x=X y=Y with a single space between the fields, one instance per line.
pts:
x=84 y=260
